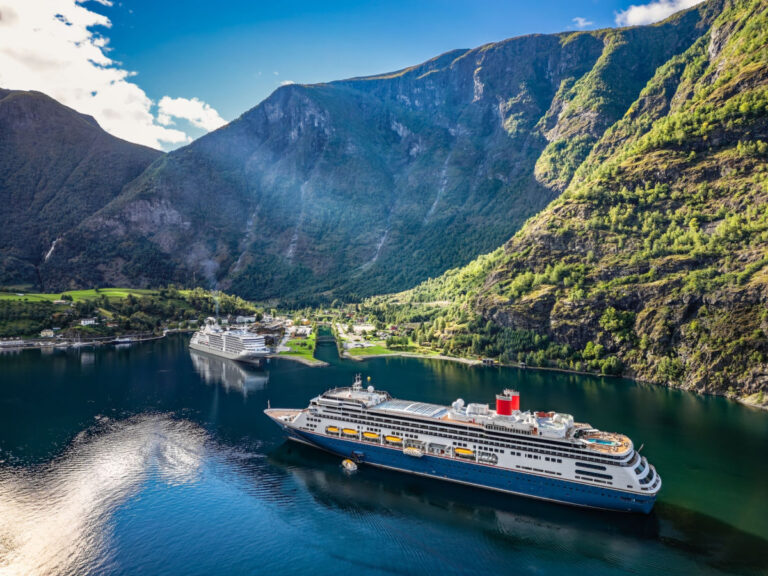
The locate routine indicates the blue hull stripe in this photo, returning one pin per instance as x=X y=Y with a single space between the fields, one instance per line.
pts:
x=480 y=475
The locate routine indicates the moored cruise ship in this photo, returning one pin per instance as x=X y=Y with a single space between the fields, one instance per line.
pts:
x=233 y=344
x=543 y=455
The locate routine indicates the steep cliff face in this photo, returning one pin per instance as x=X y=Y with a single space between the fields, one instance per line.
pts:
x=653 y=261
x=374 y=184
x=661 y=241
x=57 y=167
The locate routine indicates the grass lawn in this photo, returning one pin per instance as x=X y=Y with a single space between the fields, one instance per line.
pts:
x=304 y=347
x=78 y=295
x=375 y=349
x=378 y=349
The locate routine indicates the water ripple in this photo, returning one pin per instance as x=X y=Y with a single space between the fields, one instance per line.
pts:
x=54 y=518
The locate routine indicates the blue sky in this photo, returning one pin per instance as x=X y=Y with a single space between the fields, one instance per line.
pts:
x=161 y=72
x=227 y=52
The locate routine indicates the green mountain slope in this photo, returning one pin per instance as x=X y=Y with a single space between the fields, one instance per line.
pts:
x=653 y=261
x=375 y=184
x=57 y=167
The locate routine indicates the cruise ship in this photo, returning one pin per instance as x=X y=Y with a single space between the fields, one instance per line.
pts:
x=234 y=344
x=544 y=455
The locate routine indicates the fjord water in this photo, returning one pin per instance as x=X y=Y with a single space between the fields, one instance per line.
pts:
x=155 y=460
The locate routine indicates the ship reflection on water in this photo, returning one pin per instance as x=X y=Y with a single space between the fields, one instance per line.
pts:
x=670 y=536
x=229 y=374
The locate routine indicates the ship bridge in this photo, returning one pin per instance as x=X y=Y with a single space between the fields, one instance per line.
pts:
x=355 y=395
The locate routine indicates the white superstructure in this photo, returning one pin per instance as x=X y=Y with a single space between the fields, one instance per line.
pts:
x=234 y=344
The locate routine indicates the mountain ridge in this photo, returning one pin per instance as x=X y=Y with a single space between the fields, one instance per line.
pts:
x=361 y=186
x=652 y=263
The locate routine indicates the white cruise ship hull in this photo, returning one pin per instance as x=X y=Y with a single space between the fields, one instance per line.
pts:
x=240 y=357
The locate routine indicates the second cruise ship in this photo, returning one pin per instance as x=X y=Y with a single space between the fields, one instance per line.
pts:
x=232 y=344
x=543 y=455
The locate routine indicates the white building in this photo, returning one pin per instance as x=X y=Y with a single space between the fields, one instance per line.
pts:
x=88 y=321
x=302 y=331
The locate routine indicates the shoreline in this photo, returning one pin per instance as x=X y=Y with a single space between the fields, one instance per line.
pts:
x=364 y=357
x=64 y=344
x=314 y=363
x=471 y=362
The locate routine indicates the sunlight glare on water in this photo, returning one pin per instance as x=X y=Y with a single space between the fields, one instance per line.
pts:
x=55 y=518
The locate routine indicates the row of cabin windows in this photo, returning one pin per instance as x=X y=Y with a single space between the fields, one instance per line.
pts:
x=538 y=470
x=418 y=424
x=447 y=432
x=594 y=480
x=524 y=447
x=595 y=474
x=592 y=466
x=444 y=432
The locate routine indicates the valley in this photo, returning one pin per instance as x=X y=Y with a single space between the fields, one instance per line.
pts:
x=590 y=201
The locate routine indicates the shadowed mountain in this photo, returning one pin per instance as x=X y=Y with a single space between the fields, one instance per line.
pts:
x=57 y=167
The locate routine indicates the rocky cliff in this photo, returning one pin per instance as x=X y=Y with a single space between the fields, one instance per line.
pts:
x=653 y=262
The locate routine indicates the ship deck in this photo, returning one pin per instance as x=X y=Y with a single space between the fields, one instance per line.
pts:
x=447 y=418
x=607 y=442
x=286 y=415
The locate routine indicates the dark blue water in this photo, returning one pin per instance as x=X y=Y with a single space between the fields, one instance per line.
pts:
x=150 y=460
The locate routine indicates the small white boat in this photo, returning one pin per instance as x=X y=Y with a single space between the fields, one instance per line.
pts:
x=413 y=451
x=348 y=465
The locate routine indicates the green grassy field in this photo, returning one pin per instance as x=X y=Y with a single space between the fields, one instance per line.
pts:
x=78 y=295
x=302 y=347
x=371 y=350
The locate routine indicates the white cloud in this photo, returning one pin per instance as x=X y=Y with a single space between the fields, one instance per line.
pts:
x=197 y=112
x=637 y=15
x=55 y=47
x=287 y=82
x=582 y=22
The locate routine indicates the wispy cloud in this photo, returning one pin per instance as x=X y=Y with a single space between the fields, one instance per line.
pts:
x=59 y=47
x=287 y=82
x=580 y=22
x=640 y=14
x=195 y=111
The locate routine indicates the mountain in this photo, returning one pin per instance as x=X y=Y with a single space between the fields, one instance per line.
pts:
x=57 y=167
x=374 y=184
x=654 y=261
